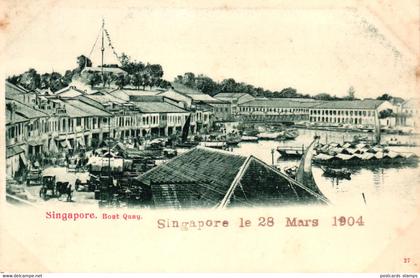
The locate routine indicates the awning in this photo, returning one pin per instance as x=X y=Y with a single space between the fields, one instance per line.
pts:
x=68 y=144
x=35 y=143
x=23 y=159
x=14 y=150
x=53 y=147
x=65 y=144
x=81 y=141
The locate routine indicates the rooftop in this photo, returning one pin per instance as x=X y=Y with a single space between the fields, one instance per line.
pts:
x=158 y=107
x=279 y=103
x=25 y=110
x=350 y=104
x=105 y=69
x=16 y=118
x=231 y=95
x=204 y=177
x=195 y=95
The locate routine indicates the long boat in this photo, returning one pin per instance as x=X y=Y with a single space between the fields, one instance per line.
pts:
x=245 y=138
x=214 y=144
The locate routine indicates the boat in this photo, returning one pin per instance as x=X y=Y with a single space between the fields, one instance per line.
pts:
x=185 y=143
x=395 y=142
x=290 y=134
x=233 y=140
x=268 y=135
x=214 y=144
x=336 y=173
x=245 y=138
x=290 y=152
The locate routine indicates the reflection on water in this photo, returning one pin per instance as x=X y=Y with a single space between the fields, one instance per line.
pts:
x=391 y=185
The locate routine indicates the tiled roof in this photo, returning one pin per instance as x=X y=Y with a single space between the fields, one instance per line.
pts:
x=158 y=107
x=278 y=103
x=76 y=108
x=16 y=119
x=70 y=91
x=195 y=95
x=200 y=176
x=411 y=103
x=230 y=95
x=105 y=97
x=206 y=177
x=26 y=111
x=350 y=104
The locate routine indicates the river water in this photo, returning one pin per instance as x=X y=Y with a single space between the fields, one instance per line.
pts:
x=380 y=186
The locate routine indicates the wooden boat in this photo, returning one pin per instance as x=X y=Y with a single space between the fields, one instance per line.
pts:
x=233 y=140
x=249 y=138
x=290 y=134
x=336 y=173
x=290 y=152
x=214 y=144
x=268 y=135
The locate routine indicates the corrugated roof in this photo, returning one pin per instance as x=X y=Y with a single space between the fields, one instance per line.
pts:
x=279 y=103
x=158 y=107
x=350 y=104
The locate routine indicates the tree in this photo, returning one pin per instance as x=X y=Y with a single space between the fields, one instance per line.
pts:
x=189 y=79
x=30 y=79
x=351 y=93
x=324 y=96
x=385 y=97
x=386 y=113
x=94 y=79
x=288 y=93
x=83 y=62
x=206 y=85
x=229 y=85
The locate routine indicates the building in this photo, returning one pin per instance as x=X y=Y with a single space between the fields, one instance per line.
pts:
x=407 y=113
x=275 y=110
x=210 y=178
x=191 y=99
x=16 y=134
x=161 y=118
x=353 y=112
x=235 y=99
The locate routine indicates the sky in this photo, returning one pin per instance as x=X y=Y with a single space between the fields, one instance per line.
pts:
x=314 y=49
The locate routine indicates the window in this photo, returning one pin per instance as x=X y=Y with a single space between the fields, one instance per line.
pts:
x=78 y=122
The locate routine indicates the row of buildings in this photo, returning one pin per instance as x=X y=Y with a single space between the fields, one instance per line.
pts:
x=360 y=113
x=43 y=122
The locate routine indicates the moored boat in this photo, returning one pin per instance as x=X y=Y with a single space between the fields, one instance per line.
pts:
x=268 y=135
x=245 y=138
x=214 y=144
x=336 y=173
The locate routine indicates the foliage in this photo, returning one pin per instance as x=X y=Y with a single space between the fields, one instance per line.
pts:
x=386 y=113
